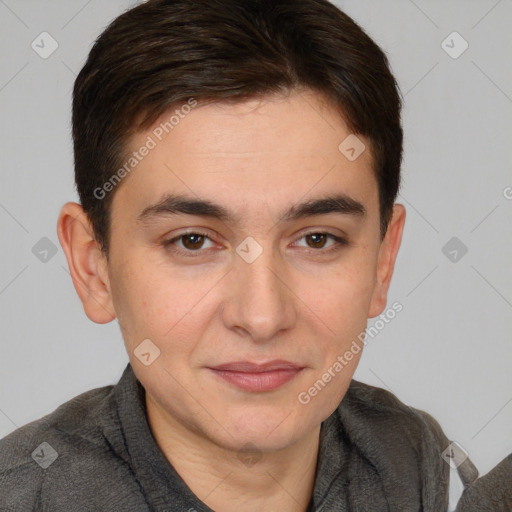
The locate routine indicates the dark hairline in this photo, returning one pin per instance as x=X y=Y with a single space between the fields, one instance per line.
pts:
x=238 y=50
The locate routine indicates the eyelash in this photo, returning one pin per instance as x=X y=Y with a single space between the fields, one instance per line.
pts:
x=169 y=244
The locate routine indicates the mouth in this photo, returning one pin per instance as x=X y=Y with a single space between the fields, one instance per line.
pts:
x=257 y=377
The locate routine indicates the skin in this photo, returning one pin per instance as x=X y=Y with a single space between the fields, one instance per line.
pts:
x=301 y=300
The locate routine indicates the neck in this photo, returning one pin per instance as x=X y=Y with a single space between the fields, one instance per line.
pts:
x=229 y=481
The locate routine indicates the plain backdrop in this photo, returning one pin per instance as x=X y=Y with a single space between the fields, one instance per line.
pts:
x=448 y=351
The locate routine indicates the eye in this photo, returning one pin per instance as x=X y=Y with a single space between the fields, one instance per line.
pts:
x=193 y=243
x=190 y=242
x=317 y=240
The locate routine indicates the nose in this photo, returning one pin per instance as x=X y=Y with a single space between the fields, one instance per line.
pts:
x=260 y=303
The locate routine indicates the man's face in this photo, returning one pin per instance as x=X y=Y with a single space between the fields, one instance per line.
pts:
x=213 y=299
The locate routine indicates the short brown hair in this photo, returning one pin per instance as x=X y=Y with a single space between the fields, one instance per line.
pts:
x=164 y=52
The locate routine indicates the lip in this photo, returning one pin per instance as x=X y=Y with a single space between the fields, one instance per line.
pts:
x=257 y=377
x=249 y=367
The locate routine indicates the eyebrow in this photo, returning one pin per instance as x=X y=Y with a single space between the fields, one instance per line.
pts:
x=175 y=204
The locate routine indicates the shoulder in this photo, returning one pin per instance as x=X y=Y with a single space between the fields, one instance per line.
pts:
x=490 y=493
x=74 y=432
x=381 y=408
x=404 y=445
x=78 y=419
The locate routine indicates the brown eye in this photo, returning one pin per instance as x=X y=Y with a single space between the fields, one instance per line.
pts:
x=192 y=241
x=317 y=240
x=189 y=244
x=322 y=242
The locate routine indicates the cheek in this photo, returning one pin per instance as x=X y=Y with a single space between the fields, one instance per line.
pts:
x=168 y=307
x=346 y=292
x=341 y=302
x=141 y=299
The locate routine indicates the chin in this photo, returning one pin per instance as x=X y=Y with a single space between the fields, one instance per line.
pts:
x=265 y=435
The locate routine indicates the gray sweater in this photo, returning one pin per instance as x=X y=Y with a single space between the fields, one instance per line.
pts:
x=96 y=453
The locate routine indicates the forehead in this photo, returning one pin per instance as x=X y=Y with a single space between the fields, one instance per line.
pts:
x=275 y=123
x=277 y=147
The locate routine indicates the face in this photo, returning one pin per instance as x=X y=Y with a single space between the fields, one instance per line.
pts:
x=254 y=264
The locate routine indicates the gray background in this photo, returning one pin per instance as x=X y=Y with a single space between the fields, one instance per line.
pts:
x=448 y=352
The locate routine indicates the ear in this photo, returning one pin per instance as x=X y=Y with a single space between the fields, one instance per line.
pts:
x=386 y=262
x=87 y=264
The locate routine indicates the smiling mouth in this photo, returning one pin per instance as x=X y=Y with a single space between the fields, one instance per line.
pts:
x=257 y=378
